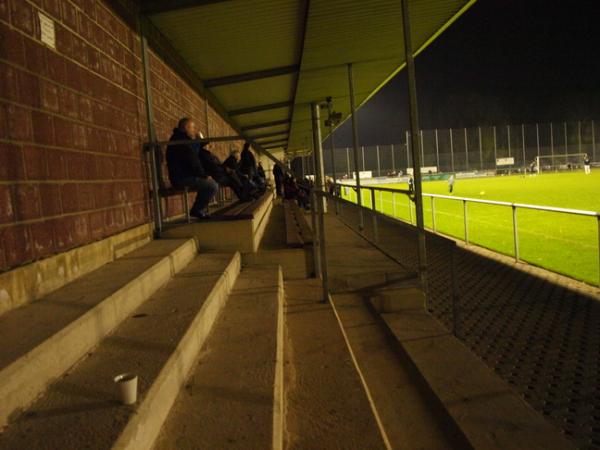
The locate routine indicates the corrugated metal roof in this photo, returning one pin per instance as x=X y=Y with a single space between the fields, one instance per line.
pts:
x=252 y=37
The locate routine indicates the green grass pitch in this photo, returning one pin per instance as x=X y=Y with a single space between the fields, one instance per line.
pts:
x=560 y=242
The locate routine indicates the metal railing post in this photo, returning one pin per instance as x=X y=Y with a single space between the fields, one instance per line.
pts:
x=466 y=221
x=186 y=205
x=315 y=230
x=515 y=232
x=410 y=216
x=374 y=208
x=433 y=227
x=155 y=194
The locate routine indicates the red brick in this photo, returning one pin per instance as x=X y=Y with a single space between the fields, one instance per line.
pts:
x=69 y=14
x=68 y=103
x=9 y=82
x=76 y=163
x=87 y=194
x=11 y=162
x=22 y=16
x=57 y=164
x=36 y=56
x=5 y=10
x=50 y=199
x=7 y=213
x=57 y=70
x=69 y=197
x=43 y=128
x=42 y=239
x=63 y=132
x=96 y=220
x=52 y=7
x=29 y=89
x=27 y=202
x=3 y=122
x=19 y=123
x=35 y=162
x=17 y=246
x=49 y=96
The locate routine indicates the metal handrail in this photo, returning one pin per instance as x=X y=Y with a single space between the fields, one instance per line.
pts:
x=466 y=200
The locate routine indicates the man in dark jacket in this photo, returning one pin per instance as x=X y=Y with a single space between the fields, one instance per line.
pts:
x=186 y=169
x=249 y=168
x=278 y=175
x=224 y=176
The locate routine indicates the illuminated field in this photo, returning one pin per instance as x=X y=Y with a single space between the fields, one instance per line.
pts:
x=560 y=242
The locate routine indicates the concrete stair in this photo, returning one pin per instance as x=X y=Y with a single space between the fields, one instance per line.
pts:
x=158 y=340
x=233 y=398
x=43 y=339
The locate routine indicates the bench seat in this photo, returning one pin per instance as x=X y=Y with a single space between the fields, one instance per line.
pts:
x=236 y=227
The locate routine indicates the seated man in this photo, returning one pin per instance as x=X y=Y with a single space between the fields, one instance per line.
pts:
x=186 y=169
x=224 y=176
x=248 y=167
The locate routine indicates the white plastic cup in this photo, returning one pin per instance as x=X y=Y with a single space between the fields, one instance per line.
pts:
x=127 y=383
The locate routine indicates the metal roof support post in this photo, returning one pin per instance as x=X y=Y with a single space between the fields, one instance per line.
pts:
x=320 y=200
x=361 y=222
x=348 y=161
x=414 y=126
x=332 y=145
x=156 y=202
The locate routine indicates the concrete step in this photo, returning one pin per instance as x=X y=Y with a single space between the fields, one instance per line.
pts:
x=43 y=339
x=233 y=399
x=326 y=404
x=296 y=263
x=158 y=342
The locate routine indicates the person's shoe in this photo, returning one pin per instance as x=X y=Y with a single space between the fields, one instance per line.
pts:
x=200 y=215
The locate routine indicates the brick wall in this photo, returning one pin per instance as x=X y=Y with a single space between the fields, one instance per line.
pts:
x=72 y=121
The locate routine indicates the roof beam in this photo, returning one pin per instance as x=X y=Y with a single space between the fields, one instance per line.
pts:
x=253 y=109
x=266 y=124
x=274 y=141
x=250 y=76
x=268 y=135
x=271 y=147
x=160 y=6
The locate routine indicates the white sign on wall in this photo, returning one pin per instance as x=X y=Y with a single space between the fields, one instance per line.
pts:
x=505 y=161
x=47 y=31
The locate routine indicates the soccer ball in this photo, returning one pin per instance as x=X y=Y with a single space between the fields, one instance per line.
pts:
x=482 y=193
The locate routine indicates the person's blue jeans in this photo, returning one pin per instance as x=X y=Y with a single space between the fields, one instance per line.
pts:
x=206 y=189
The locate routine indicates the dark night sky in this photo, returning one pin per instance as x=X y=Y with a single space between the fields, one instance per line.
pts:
x=504 y=61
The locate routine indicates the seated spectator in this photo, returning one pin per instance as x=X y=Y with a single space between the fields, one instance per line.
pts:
x=186 y=169
x=224 y=176
x=233 y=161
x=249 y=168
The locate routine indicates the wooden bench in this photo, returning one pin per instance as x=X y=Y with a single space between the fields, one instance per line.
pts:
x=236 y=227
x=297 y=231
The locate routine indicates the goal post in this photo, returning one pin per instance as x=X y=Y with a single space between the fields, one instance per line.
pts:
x=559 y=162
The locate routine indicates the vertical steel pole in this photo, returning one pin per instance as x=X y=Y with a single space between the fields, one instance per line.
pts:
x=593 y=141
x=495 y=148
x=315 y=230
x=466 y=149
x=407 y=149
x=154 y=169
x=374 y=208
x=318 y=152
x=332 y=145
x=393 y=159
x=523 y=140
x=362 y=149
x=361 y=223
x=378 y=162
x=480 y=149
x=451 y=152
x=466 y=221
x=414 y=126
x=433 y=227
x=537 y=138
x=410 y=214
x=552 y=142
x=437 y=151
x=422 y=148
x=348 y=171
x=566 y=139
x=515 y=232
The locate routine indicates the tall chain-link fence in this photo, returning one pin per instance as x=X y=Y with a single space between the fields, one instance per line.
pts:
x=481 y=148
